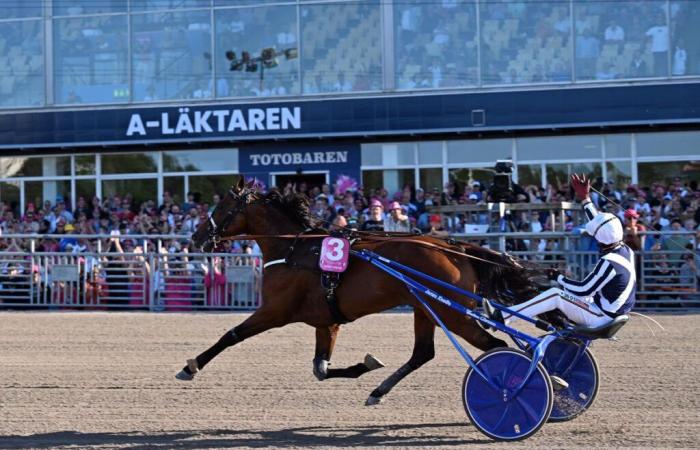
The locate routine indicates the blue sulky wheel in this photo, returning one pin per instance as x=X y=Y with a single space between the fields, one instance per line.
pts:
x=506 y=417
x=564 y=359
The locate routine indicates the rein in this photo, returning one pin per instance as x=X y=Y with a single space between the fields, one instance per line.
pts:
x=371 y=238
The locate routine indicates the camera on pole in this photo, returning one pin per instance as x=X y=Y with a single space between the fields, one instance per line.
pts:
x=502 y=188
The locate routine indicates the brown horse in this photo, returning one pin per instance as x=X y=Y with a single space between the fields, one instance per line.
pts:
x=292 y=289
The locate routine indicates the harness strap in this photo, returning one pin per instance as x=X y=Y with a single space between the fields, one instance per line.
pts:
x=330 y=282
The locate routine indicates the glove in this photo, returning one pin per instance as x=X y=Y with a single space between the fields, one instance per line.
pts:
x=553 y=274
x=581 y=185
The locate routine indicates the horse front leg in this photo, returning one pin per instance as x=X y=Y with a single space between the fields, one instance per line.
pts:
x=423 y=351
x=260 y=321
x=325 y=342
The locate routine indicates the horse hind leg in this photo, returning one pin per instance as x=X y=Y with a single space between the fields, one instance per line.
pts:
x=257 y=323
x=423 y=351
x=325 y=342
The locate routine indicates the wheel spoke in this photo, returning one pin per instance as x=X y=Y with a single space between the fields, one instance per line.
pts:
x=527 y=408
x=505 y=414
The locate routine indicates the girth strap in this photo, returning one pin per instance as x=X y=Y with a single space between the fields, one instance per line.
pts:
x=330 y=282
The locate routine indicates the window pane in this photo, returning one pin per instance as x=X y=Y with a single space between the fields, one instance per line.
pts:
x=251 y=30
x=38 y=192
x=685 y=17
x=530 y=175
x=85 y=189
x=435 y=44
x=21 y=63
x=371 y=179
x=154 y=5
x=462 y=178
x=171 y=55
x=525 y=42
x=666 y=172
x=619 y=172
x=91 y=60
x=663 y=144
x=78 y=7
x=85 y=164
x=130 y=163
x=430 y=152
x=486 y=150
x=9 y=195
x=176 y=187
x=567 y=147
x=617 y=145
x=140 y=190
x=341 y=47
x=207 y=186
x=34 y=167
x=430 y=179
x=612 y=37
x=558 y=174
x=371 y=154
x=12 y=9
x=200 y=160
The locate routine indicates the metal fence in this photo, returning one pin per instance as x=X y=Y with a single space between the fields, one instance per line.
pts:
x=159 y=280
x=152 y=281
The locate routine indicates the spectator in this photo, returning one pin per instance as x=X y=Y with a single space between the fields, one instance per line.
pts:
x=614 y=32
x=397 y=221
x=375 y=219
x=638 y=67
x=215 y=283
x=632 y=230
x=659 y=46
x=680 y=56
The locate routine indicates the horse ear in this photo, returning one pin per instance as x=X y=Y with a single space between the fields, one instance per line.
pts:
x=250 y=184
x=240 y=184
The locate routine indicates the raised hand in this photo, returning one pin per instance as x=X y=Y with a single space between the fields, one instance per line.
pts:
x=581 y=185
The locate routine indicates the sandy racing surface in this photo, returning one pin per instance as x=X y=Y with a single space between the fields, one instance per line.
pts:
x=106 y=380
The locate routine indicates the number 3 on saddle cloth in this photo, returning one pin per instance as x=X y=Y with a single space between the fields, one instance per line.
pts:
x=335 y=252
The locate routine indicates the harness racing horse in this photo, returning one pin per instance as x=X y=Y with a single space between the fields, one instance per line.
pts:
x=292 y=290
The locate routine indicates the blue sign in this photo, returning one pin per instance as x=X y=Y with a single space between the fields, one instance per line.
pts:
x=566 y=107
x=337 y=159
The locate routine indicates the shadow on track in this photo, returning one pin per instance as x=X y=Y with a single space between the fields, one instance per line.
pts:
x=314 y=436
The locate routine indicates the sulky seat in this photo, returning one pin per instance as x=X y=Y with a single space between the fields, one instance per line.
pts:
x=603 y=332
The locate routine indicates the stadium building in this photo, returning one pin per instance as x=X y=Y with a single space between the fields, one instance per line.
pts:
x=104 y=97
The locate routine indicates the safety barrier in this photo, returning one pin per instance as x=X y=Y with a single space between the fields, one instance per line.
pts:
x=160 y=280
x=152 y=281
x=667 y=277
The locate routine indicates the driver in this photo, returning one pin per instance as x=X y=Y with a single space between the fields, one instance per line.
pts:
x=607 y=292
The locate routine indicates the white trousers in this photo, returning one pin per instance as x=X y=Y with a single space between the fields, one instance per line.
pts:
x=580 y=310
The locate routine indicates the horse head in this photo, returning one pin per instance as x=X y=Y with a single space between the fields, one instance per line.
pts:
x=227 y=219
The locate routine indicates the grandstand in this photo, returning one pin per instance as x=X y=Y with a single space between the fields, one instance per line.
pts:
x=417 y=93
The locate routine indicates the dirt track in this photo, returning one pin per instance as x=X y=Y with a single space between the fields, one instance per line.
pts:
x=106 y=380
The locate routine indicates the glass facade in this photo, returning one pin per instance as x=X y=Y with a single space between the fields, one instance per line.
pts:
x=146 y=176
x=21 y=63
x=129 y=51
x=640 y=158
x=90 y=60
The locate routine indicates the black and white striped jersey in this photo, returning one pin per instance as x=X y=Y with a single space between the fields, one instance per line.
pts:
x=613 y=281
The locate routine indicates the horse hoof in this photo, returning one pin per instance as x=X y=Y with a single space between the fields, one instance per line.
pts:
x=184 y=376
x=371 y=400
x=373 y=363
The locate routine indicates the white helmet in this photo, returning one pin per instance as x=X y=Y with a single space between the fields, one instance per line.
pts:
x=605 y=228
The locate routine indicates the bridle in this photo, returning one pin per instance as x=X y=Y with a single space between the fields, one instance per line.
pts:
x=213 y=228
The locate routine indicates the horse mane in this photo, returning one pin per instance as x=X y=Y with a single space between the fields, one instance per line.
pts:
x=293 y=205
x=505 y=278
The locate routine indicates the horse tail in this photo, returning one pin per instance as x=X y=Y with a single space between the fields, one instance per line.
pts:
x=504 y=277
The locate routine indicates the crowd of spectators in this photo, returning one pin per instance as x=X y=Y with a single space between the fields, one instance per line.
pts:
x=659 y=207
